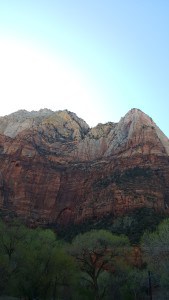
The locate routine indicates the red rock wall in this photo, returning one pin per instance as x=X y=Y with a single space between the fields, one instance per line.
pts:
x=60 y=172
x=48 y=192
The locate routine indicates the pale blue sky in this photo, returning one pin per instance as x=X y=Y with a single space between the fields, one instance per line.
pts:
x=96 y=58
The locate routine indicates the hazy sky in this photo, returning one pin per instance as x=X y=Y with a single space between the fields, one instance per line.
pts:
x=96 y=58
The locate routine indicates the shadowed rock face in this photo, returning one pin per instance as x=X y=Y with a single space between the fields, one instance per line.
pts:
x=54 y=168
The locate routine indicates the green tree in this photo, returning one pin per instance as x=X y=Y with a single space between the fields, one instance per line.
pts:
x=11 y=235
x=98 y=252
x=155 y=247
x=34 y=264
x=44 y=270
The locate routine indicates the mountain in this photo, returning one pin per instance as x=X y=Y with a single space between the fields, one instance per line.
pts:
x=54 y=168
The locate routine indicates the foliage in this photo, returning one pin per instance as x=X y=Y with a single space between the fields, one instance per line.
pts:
x=99 y=252
x=155 y=247
x=133 y=224
x=34 y=263
x=136 y=222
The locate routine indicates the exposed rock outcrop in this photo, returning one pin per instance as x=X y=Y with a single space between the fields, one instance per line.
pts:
x=54 y=168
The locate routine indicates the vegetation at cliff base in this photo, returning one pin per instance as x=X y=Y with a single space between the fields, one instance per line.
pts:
x=96 y=265
x=132 y=224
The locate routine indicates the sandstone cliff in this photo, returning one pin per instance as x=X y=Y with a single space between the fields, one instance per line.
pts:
x=54 y=168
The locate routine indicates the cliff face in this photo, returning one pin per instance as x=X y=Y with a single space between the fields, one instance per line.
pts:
x=54 y=168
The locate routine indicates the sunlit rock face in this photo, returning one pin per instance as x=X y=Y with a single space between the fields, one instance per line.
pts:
x=54 y=168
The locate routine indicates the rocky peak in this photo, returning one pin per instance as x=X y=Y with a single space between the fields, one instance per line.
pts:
x=11 y=125
x=142 y=121
x=136 y=118
x=22 y=121
x=136 y=132
x=64 y=125
x=66 y=135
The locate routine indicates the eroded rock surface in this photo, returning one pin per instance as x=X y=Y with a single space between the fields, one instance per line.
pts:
x=54 y=168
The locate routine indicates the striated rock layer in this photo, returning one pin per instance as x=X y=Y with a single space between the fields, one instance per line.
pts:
x=54 y=168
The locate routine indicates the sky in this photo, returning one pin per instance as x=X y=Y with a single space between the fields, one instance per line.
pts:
x=96 y=58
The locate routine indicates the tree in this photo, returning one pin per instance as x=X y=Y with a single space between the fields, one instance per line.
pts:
x=11 y=235
x=34 y=264
x=98 y=252
x=44 y=270
x=155 y=247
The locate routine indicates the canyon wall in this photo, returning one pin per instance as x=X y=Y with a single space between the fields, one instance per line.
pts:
x=54 y=168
